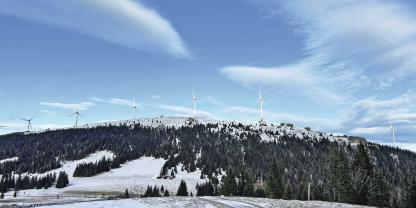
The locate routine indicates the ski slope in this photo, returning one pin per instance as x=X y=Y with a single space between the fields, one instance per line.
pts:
x=134 y=175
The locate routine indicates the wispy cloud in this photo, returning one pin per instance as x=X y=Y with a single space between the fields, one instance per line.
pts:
x=82 y=106
x=114 y=101
x=349 y=45
x=184 y=111
x=371 y=117
x=124 y=22
x=156 y=97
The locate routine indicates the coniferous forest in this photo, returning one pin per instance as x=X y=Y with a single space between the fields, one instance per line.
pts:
x=342 y=171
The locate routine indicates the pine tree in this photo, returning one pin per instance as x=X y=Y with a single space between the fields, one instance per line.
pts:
x=274 y=182
x=126 y=193
x=166 y=194
x=378 y=190
x=62 y=180
x=288 y=192
x=411 y=195
x=230 y=186
x=182 y=190
x=340 y=176
x=15 y=194
x=361 y=171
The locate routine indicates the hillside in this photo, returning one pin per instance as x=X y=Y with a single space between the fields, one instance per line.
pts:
x=195 y=151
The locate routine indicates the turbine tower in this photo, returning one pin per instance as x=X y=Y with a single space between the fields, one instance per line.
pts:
x=392 y=132
x=261 y=102
x=29 y=123
x=76 y=114
x=134 y=106
x=194 y=101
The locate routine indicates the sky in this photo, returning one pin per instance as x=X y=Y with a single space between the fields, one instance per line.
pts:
x=345 y=67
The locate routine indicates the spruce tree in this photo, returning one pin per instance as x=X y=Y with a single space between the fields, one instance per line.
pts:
x=182 y=190
x=378 y=190
x=166 y=193
x=411 y=195
x=361 y=172
x=340 y=176
x=229 y=187
x=274 y=182
x=288 y=192
x=126 y=193
x=62 y=180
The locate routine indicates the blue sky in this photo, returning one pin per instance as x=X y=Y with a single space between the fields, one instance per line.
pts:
x=343 y=66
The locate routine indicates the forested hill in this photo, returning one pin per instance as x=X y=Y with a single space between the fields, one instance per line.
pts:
x=302 y=154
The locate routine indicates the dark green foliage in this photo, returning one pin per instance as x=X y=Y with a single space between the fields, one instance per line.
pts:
x=152 y=192
x=166 y=193
x=15 y=194
x=245 y=185
x=126 y=193
x=274 y=182
x=1 y=195
x=259 y=192
x=229 y=187
x=218 y=149
x=91 y=169
x=288 y=192
x=62 y=180
x=182 y=190
x=378 y=190
x=205 y=189
x=340 y=177
x=411 y=195
x=360 y=177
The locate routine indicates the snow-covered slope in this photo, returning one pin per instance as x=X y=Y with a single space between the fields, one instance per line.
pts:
x=269 y=132
x=134 y=175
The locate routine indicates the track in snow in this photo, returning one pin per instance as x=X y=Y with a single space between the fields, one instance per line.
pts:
x=229 y=203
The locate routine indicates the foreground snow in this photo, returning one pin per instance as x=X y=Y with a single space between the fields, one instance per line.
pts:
x=205 y=202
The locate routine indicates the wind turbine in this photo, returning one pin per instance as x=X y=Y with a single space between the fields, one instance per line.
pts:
x=194 y=101
x=392 y=132
x=134 y=106
x=261 y=102
x=76 y=114
x=29 y=123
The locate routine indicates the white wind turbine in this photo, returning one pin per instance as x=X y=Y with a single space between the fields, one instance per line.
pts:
x=76 y=114
x=194 y=101
x=134 y=106
x=261 y=102
x=393 y=130
x=29 y=123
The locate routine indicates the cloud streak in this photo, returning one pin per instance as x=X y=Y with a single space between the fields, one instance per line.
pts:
x=123 y=22
x=114 y=101
x=82 y=106
x=349 y=45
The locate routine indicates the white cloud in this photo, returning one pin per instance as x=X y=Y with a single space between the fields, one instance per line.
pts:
x=184 y=111
x=69 y=106
x=371 y=117
x=371 y=130
x=114 y=101
x=124 y=22
x=156 y=97
x=349 y=45
x=299 y=78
